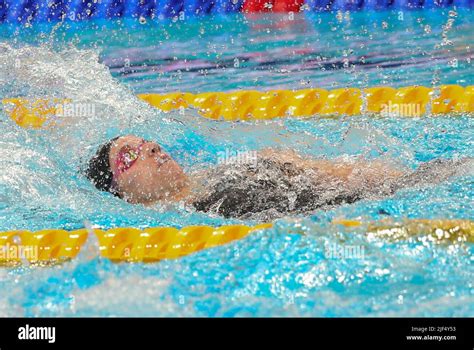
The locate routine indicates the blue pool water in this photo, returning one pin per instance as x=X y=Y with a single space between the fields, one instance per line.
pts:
x=273 y=272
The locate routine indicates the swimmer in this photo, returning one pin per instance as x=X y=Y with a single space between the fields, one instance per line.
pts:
x=278 y=183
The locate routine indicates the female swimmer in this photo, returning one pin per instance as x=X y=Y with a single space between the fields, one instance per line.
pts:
x=276 y=184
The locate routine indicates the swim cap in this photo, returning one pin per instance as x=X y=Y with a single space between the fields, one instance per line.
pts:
x=98 y=170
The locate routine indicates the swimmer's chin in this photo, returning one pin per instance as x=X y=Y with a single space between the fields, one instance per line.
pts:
x=181 y=194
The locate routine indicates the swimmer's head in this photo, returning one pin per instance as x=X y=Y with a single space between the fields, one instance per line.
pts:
x=136 y=170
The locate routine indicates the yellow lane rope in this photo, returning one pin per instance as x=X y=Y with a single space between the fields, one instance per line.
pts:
x=157 y=243
x=411 y=101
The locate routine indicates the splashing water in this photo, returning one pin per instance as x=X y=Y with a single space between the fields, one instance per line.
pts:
x=275 y=272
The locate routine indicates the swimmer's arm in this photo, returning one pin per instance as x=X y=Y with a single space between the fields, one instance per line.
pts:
x=374 y=173
x=360 y=174
x=283 y=156
x=362 y=171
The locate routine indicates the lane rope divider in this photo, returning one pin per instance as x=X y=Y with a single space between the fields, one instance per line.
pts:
x=410 y=101
x=49 y=247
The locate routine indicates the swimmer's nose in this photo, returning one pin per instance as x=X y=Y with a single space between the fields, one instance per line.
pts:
x=153 y=149
x=156 y=151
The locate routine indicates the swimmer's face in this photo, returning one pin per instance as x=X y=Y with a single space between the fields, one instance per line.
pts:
x=143 y=172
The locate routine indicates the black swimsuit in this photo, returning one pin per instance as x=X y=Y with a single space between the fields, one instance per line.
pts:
x=267 y=189
x=271 y=189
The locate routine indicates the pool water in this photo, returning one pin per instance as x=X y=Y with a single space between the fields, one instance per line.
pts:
x=269 y=273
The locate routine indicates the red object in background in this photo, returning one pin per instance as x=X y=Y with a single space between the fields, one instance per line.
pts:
x=277 y=6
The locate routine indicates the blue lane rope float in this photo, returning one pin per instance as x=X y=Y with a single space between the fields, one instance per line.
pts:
x=21 y=11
